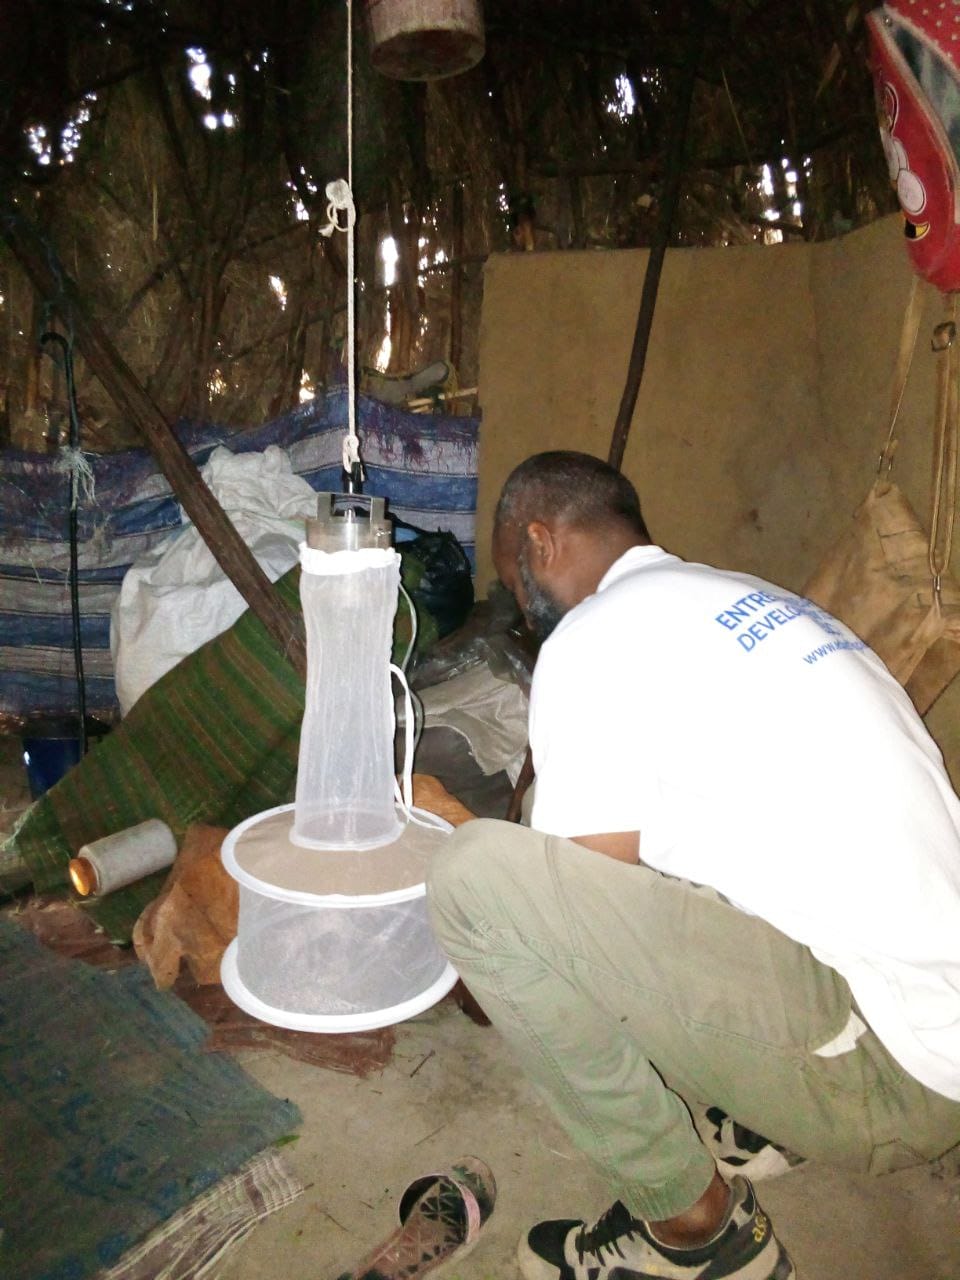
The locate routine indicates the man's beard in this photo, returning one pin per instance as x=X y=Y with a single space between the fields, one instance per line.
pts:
x=542 y=610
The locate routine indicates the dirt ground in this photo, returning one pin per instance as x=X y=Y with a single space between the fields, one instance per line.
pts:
x=450 y=1089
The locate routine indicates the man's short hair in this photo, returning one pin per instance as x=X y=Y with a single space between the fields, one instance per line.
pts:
x=575 y=487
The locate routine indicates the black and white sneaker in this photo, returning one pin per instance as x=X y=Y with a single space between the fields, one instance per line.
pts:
x=621 y=1247
x=740 y=1150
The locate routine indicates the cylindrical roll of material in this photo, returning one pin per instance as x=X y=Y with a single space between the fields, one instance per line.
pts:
x=114 y=861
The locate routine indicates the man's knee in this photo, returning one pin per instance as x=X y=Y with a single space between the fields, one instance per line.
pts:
x=466 y=875
x=465 y=858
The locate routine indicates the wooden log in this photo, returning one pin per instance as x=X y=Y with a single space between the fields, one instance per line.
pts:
x=522 y=786
x=104 y=360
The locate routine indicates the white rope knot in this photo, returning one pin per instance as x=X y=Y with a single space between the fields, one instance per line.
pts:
x=339 y=200
x=74 y=463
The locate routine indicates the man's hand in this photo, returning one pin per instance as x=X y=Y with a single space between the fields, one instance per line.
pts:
x=622 y=845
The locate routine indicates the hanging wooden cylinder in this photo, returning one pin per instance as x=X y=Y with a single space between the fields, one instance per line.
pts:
x=425 y=39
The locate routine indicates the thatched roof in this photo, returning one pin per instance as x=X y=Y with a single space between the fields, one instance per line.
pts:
x=556 y=140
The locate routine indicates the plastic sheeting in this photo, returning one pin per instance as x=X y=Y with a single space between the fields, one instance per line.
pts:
x=491 y=714
x=176 y=597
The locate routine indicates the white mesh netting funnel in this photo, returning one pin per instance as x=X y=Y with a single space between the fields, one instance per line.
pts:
x=333 y=933
x=345 y=795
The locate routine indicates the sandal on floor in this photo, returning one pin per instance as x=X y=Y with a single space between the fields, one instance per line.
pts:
x=440 y=1217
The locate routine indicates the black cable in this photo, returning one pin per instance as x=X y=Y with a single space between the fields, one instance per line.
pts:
x=52 y=336
x=353 y=479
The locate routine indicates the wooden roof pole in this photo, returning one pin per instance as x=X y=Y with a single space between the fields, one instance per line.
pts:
x=669 y=199
x=101 y=356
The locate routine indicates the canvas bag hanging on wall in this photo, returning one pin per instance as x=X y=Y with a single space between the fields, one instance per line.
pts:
x=886 y=578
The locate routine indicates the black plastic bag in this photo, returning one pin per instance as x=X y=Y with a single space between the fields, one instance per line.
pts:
x=444 y=587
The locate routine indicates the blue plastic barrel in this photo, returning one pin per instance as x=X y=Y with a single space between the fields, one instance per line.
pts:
x=51 y=747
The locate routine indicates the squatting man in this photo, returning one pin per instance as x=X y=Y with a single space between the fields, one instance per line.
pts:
x=739 y=888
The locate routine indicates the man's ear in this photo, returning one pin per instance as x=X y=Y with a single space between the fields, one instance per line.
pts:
x=542 y=543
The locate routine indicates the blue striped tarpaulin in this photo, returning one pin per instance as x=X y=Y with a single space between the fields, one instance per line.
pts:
x=425 y=465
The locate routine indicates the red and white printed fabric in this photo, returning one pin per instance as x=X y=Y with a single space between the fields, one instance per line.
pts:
x=915 y=56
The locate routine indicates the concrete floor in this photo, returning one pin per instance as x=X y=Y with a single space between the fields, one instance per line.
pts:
x=450 y=1089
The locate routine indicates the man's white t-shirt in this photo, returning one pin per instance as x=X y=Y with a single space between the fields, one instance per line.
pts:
x=759 y=747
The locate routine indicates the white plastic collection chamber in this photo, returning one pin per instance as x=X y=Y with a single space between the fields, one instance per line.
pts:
x=333 y=933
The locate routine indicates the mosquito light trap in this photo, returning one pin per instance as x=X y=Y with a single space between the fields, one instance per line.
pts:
x=333 y=933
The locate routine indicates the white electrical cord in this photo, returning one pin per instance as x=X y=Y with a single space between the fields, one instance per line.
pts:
x=403 y=789
x=418 y=712
x=412 y=716
x=413 y=627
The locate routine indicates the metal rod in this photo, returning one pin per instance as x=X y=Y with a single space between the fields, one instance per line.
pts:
x=52 y=336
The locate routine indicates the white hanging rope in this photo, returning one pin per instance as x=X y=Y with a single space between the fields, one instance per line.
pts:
x=340 y=198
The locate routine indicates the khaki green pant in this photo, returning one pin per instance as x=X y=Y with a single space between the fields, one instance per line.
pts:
x=622 y=991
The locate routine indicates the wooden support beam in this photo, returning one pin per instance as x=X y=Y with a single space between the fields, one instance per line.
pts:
x=668 y=201
x=104 y=360
x=456 y=282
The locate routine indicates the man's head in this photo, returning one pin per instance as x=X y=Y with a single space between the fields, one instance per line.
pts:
x=562 y=520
